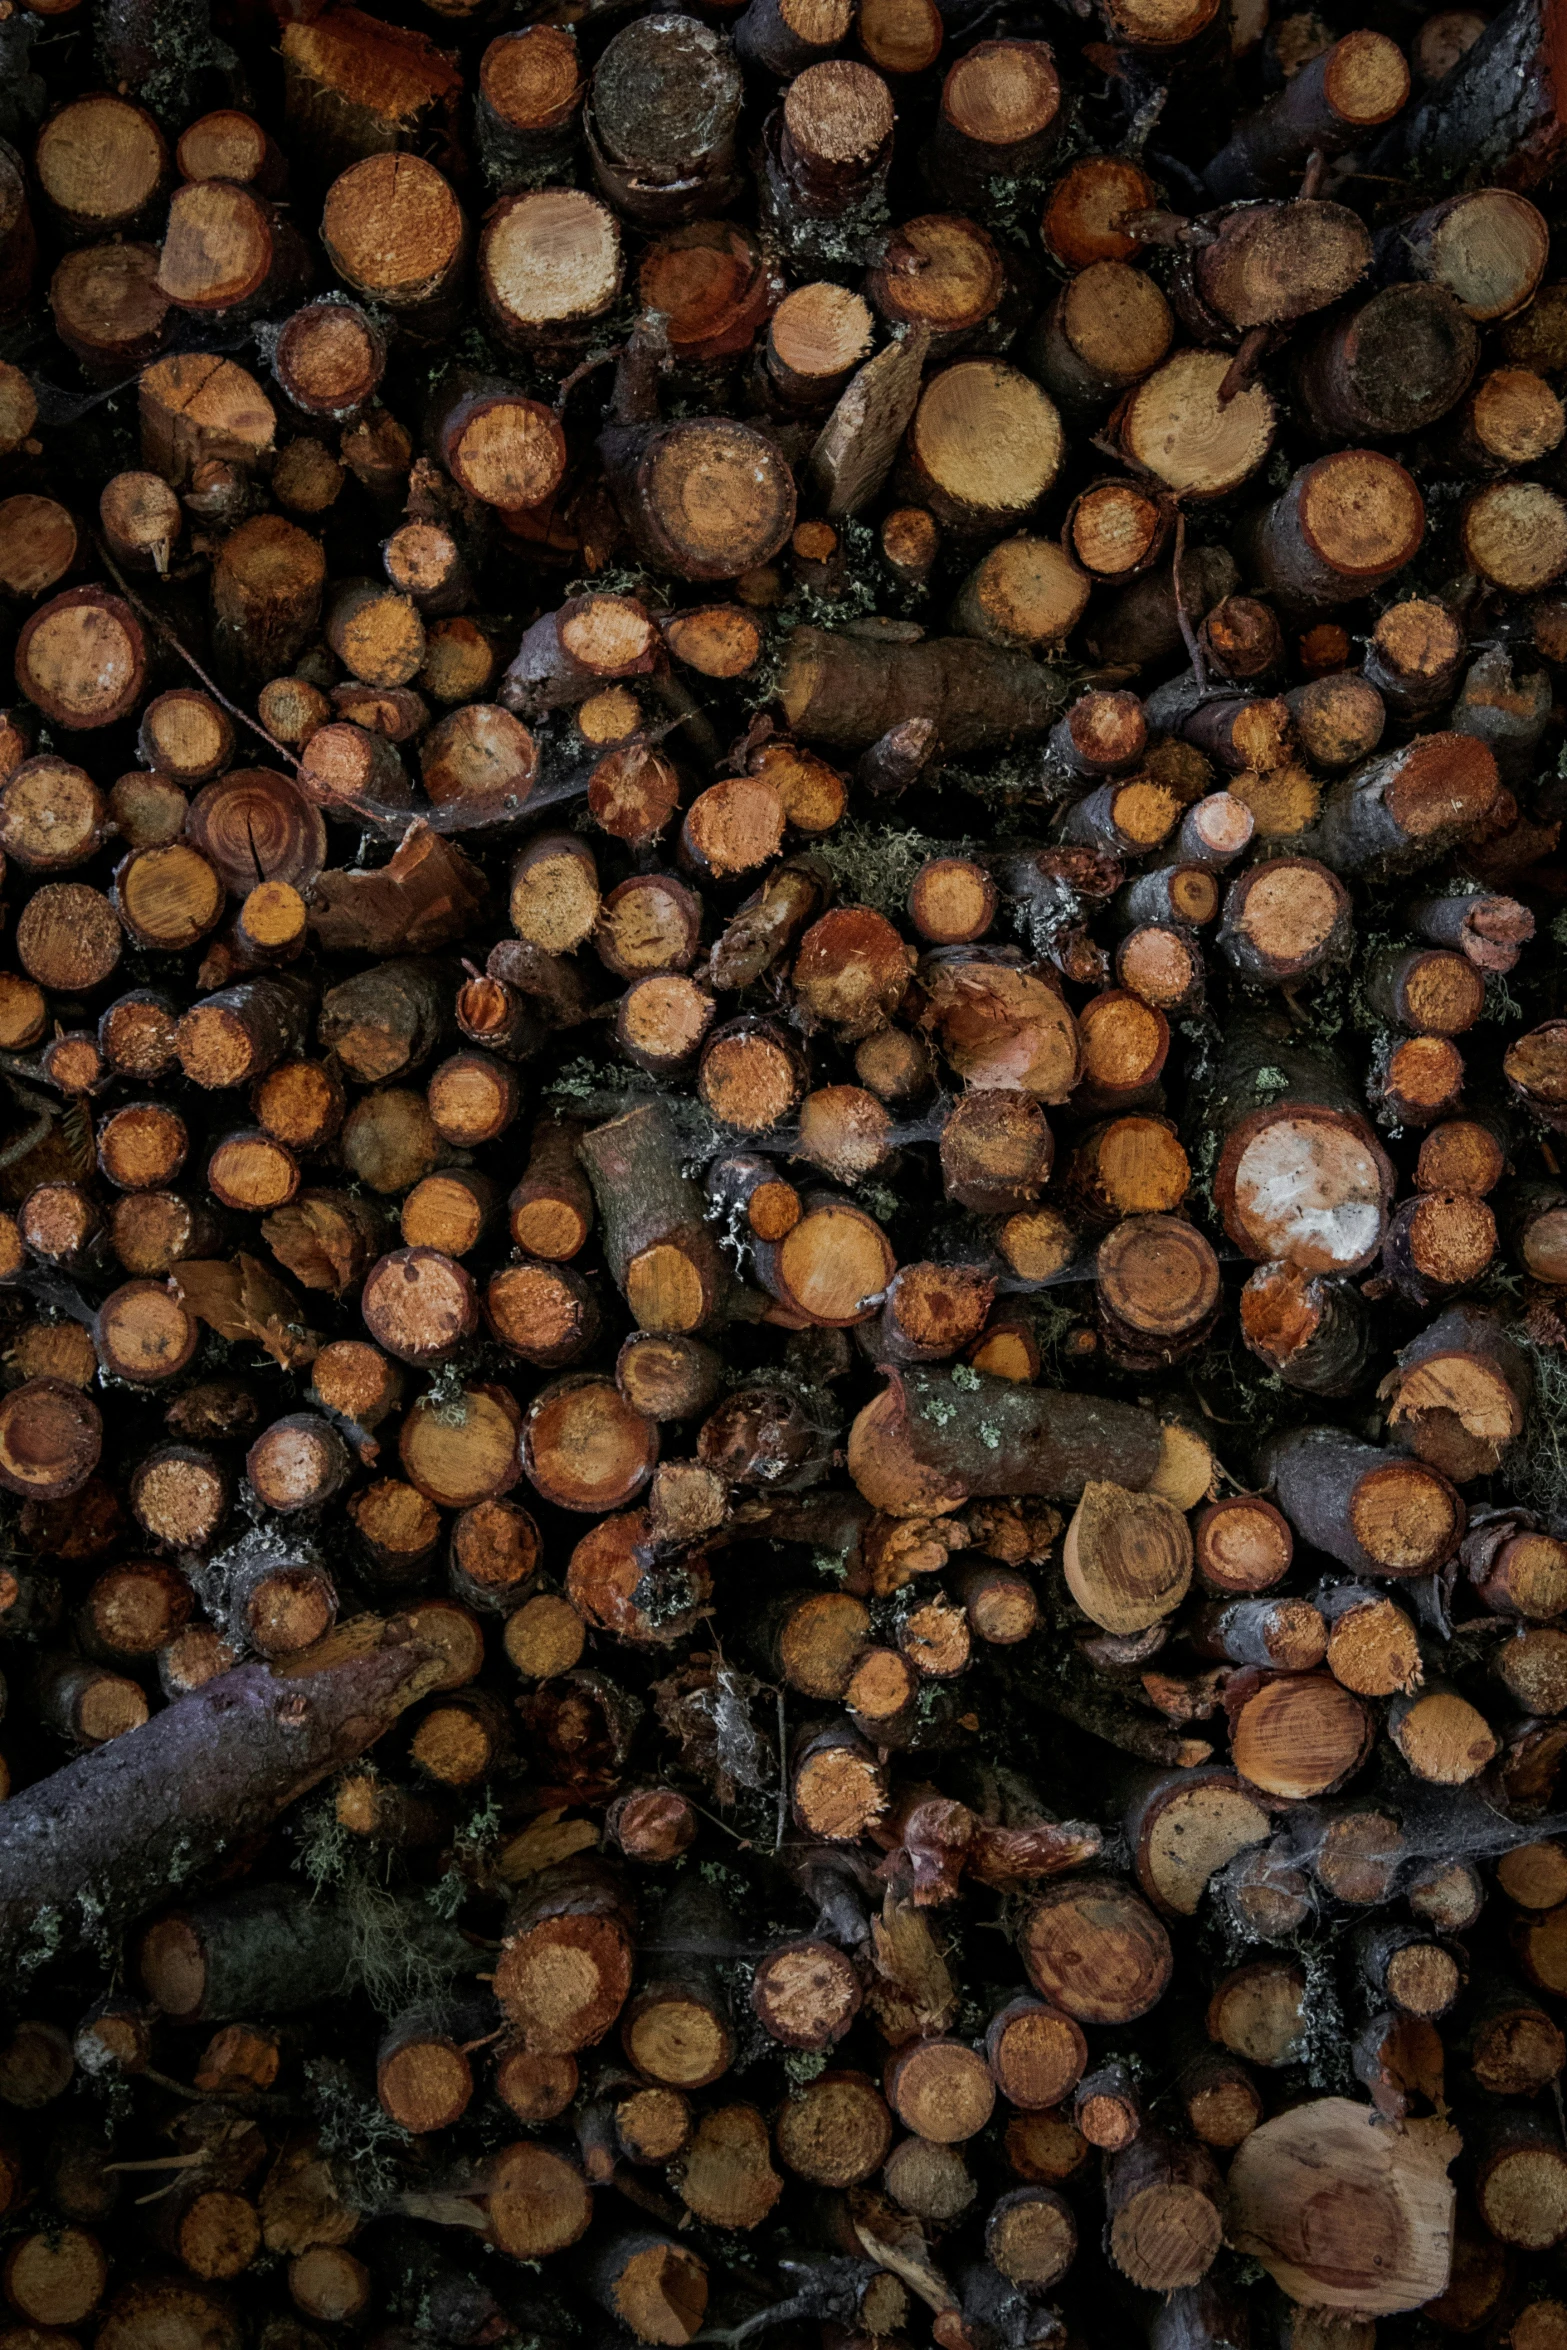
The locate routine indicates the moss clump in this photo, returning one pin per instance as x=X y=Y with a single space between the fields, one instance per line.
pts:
x=875 y=867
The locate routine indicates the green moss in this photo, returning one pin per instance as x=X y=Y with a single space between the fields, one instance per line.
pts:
x=323 y=1847
x=874 y=865
x=1537 y=1466
x=45 y=1935
x=878 y=1201
x=363 y=2144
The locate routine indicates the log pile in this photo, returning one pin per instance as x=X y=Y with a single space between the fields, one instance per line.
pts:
x=783 y=1233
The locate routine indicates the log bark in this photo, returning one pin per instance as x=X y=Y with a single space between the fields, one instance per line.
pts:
x=1001 y=1185
x=1398 y=2181
x=922 y=1445
x=262 y=1740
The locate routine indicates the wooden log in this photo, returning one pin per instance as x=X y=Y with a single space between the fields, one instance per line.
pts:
x=1385 y=1516
x=1349 y=91
x=1402 y=2175
x=259 y=1738
x=1162 y=2198
x=528 y=106
x=395 y=233
x=660 y=121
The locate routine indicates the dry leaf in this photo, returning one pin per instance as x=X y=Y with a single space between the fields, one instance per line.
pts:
x=547 y=1839
x=240 y=1299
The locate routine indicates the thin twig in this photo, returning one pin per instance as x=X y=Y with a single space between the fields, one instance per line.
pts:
x=783 y=1776
x=164 y=2161
x=153 y=620
x=744 y=1842
x=579 y=374
x=1193 y=642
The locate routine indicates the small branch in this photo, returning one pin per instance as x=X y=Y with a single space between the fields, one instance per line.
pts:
x=242 y=2100
x=1193 y=642
x=1243 y=367
x=1157 y=227
x=648 y=2199
x=154 y=621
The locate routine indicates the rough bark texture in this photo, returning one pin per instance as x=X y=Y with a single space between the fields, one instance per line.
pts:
x=224 y=1762
x=780 y=930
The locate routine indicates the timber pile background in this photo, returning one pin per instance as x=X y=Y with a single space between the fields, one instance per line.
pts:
x=783 y=1240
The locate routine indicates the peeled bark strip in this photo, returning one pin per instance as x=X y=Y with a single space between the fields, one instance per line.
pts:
x=922 y=1446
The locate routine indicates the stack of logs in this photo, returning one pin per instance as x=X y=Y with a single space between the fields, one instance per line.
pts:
x=783 y=1239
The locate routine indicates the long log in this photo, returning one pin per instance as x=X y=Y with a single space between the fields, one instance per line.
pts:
x=87 y=1848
